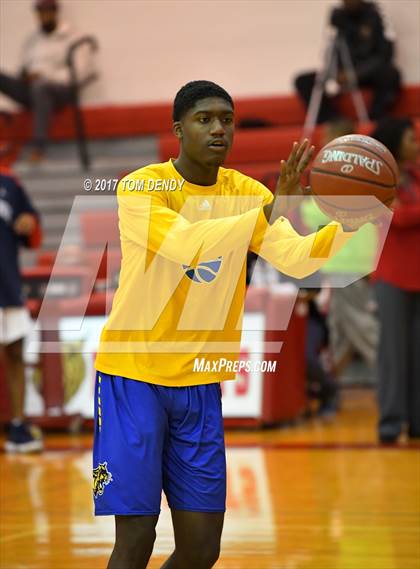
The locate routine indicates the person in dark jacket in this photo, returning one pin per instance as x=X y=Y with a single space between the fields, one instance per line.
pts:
x=361 y=25
x=19 y=226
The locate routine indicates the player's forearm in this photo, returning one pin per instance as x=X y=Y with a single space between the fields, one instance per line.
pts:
x=299 y=256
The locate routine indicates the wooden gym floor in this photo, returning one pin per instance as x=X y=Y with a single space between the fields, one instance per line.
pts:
x=314 y=496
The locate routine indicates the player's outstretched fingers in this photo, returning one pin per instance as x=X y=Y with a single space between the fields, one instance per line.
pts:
x=282 y=177
x=283 y=169
x=301 y=150
x=292 y=156
x=306 y=159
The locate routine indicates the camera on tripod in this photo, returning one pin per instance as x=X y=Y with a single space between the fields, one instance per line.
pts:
x=336 y=76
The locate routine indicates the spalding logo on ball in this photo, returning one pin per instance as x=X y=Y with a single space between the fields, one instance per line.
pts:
x=349 y=173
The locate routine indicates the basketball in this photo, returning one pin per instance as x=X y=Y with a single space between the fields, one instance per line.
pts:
x=350 y=174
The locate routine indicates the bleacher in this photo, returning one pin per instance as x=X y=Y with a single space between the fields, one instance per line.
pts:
x=124 y=138
x=156 y=118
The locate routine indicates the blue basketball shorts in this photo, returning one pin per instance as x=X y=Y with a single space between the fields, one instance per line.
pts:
x=150 y=438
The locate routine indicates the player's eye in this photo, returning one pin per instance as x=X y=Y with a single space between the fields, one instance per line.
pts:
x=203 y=120
x=228 y=120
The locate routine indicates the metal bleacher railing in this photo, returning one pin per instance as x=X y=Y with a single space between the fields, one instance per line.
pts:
x=77 y=86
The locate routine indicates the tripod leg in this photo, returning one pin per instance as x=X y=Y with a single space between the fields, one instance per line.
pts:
x=318 y=91
x=313 y=109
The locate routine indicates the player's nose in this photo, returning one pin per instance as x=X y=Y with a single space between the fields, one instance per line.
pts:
x=217 y=127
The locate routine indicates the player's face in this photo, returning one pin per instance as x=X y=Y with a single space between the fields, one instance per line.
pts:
x=206 y=131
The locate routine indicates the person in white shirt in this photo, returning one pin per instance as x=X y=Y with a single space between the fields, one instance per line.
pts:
x=44 y=84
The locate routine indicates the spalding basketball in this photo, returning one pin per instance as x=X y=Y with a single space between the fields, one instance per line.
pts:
x=349 y=173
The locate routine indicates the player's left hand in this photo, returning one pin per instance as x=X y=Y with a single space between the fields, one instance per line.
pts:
x=288 y=183
x=291 y=170
x=24 y=224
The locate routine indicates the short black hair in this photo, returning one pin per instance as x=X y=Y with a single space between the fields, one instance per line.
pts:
x=390 y=132
x=192 y=92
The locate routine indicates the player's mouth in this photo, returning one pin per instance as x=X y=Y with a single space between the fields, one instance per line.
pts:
x=218 y=145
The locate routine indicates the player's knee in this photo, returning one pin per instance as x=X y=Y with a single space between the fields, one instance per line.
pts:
x=135 y=536
x=142 y=539
x=201 y=556
x=211 y=554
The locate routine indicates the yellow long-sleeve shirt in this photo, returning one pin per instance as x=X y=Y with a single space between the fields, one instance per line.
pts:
x=182 y=279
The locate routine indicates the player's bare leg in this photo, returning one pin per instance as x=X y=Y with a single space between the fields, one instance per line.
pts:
x=134 y=539
x=197 y=540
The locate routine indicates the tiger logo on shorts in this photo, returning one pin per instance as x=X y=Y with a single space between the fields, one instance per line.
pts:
x=101 y=478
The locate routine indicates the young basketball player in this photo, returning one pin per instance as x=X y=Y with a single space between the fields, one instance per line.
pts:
x=186 y=226
x=19 y=227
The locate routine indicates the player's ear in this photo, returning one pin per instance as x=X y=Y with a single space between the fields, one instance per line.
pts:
x=177 y=129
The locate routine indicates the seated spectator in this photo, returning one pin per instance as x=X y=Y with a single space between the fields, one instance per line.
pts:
x=360 y=24
x=19 y=226
x=44 y=82
x=398 y=291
